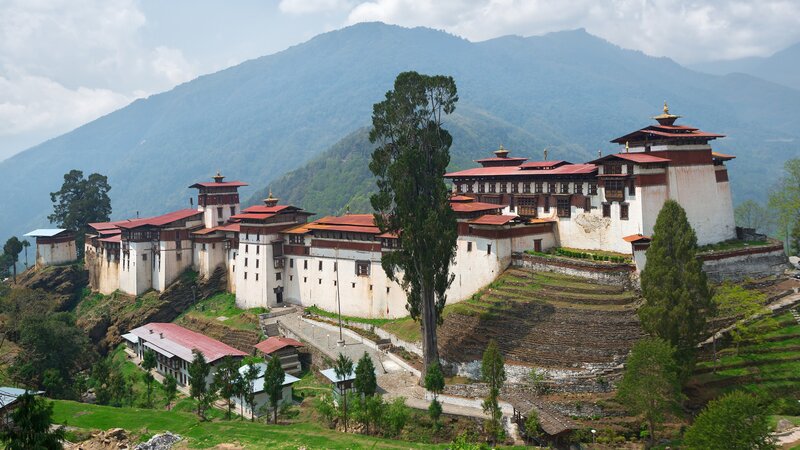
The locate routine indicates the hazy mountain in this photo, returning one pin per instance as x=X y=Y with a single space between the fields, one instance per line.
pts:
x=569 y=91
x=782 y=67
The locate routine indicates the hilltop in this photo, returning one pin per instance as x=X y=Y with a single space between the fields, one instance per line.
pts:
x=569 y=91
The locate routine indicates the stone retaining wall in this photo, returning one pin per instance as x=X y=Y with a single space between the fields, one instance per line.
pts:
x=614 y=274
x=739 y=264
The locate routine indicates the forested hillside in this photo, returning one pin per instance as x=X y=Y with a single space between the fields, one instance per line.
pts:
x=569 y=91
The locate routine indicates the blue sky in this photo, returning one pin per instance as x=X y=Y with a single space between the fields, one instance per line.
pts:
x=66 y=62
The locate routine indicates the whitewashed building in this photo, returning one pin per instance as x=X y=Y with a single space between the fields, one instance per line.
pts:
x=261 y=397
x=54 y=246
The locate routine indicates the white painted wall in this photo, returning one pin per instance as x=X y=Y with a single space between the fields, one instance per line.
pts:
x=56 y=253
x=695 y=188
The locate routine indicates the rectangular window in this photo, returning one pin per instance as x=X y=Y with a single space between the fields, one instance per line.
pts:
x=631 y=187
x=219 y=213
x=606 y=209
x=469 y=188
x=291 y=263
x=246 y=248
x=526 y=206
x=489 y=249
x=320 y=265
x=245 y=262
x=526 y=188
x=481 y=187
x=492 y=188
x=546 y=204
x=305 y=279
x=204 y=246
x=277 y=276
x=612 y=169
x=551 y=188
x=630 y=169
x=538 y=187
x=592 y=188
x=256 y=276
x=245 y=275
x=469 y=246
x=587 y=205
x=623 y=211
x=579 y=188
x=362 y=268
x=257 y=261
x=144 y=256
x=503 y=188
x=514 y=187
x=305 y=264
x=233 y=210
x=258 y=249
x=335 y=266
x=615 y=189
x=563 y=207
x=320 y=280
x=178 y=256
x=565 y=188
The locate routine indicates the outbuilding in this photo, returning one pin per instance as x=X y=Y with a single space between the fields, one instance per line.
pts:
x=261 y=395
x=54 y=246
x=284 y=349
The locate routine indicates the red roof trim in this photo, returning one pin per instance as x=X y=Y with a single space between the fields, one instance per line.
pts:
x=161 y=220
x=275 y=343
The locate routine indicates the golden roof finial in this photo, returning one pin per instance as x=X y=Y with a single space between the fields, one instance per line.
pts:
x=626 y=147
x=666 y=108
x=545 y=153
x=218 y=177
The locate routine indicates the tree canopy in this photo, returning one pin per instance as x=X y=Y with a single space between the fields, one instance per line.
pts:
x=784 y=200
x=365 y=383
x=493 y=373
x=199 y=370
x=13 y=247
x=273 y=384
x=650 y=386
x=674 y=286
x=736 y=421
x=79 y=202
x=412 y=199
x=30 y=426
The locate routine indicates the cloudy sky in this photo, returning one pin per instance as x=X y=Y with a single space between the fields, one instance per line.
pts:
x=66 y=62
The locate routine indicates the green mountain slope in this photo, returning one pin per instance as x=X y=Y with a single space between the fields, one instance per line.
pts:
x=256 y=121
x=783 y=67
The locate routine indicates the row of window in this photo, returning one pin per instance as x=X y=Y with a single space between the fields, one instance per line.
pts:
x=623 y=210
x=528 y=188
x=362 y=267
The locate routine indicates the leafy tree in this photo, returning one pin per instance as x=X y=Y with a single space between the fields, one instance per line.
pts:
x=396 y=416
x=227 y=379
x=532 y=425
x=50 y=342
x=199 y=370
x=79 y=202
x=343 y=367
x=732 y=300
x=53 y=384
x=750 y=214
x=794 y=237
x=12 y=248
x=365 y=383
x=30 y=426
x=25 y=245
x=434 y=382
x=651 y=385
x=412 y=199
x=675 y=288
x=273 y=384
x=784 y=200
x=248 y=392
x=493 y=372
x=149 y=363
x=170 y=390
x=734 y=422
x=5 y=265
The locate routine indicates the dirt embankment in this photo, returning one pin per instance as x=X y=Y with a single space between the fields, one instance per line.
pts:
x=62 y=283
x=112 y=316
x=243 y=340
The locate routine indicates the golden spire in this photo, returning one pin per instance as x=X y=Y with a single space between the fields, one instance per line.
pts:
x=666 y=108
x=501 y=152
x=270 y=200
x=599 y=153
x=666 y=118
x=218 y=177
x=626 y=142
x=545 y=153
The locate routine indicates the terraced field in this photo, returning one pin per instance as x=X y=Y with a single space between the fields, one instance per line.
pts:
x=768 y=365
x=543 y=319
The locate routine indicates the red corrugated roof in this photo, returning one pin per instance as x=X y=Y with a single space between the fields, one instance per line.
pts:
x=722 y=156
x=267 y=209
x=495 y=158
x=493 y=219
x=637 y=238
x=211 y=184
x=161 y=220
x=235 y=227
x=344 y=228
x=667 y=132
x=461 y=198
x=114 y=239
x=275 y=343
x=302 y=229
x=252 y=216
x=102 y=226
x=367 y=220
x=180 y=341
x=541 y=164
x=474 y=207
x=566 y=169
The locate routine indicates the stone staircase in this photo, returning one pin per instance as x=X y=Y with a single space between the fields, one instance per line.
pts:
x=796 y=314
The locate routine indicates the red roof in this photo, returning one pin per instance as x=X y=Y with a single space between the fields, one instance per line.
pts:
x=267 y=209
x=666 y=132
x=639 y=158
x=474 y=207
x=161 y=220
x=534 y=165
x=235 y=227
x=722 y=156
x=252 y=216
x=211 y=184
x=351 y=223
x=275 y=343
x=493 y=219
x=637 y=238
x=180 y=342
x=566 y=169
x=114 y=239
x=461 y=198
x=364 y=220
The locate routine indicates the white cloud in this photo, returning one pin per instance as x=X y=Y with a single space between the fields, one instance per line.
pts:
x=685 y=30
x=64 y=63
x=313 y=6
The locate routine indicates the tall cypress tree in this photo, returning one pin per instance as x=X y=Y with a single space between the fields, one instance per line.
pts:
x=675 y=288
x=412 y=199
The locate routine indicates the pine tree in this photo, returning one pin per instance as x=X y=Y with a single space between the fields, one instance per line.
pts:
x=198 y=387
x=434 y=382
x=273 y=384
x=493 y=373
x=149 y=363
x=170 y=390
x=227 y=379
x=343 y=367
x=13 y=247
x=412 y=199
x=30 y=426
x=675 y=288
x=650 y=386
x=79 y=202
x=250 y=376
x=365 y=382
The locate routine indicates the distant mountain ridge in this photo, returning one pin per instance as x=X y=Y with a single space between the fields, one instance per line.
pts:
x=783 y=67
x=568 y=91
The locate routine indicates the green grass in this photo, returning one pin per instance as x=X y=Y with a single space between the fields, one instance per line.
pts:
x=731 y=244
x=332 y=315
x=224 y=305
x=144 y=422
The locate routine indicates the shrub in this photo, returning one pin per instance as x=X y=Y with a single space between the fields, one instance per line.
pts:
x=395 y=417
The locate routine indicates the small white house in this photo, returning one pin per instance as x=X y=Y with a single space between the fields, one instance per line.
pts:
x=54 y=246
x=341 y=385
x=261 y=396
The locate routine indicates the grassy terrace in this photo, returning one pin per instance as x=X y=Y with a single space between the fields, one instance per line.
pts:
x=769 y=365
x=732 y=244
x=146 y=422
x=224 y=305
